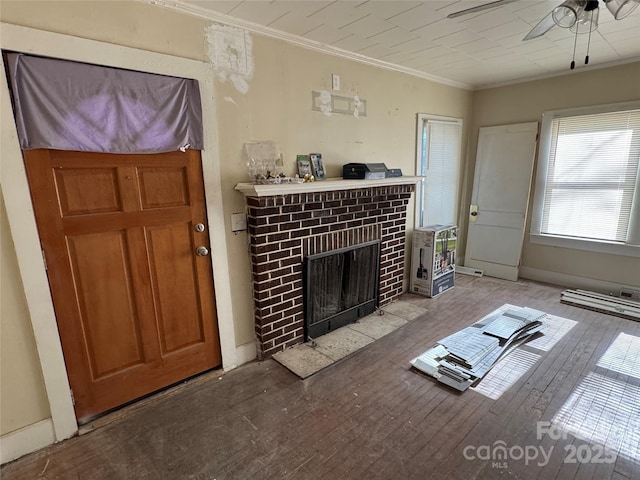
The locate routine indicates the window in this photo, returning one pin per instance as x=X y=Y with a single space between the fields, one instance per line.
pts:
x=587 y=188
x=438 y=160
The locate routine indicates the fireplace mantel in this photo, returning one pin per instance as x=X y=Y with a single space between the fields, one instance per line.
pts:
x=327 y=185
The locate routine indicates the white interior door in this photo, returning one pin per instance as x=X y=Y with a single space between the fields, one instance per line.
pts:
x=501 y=186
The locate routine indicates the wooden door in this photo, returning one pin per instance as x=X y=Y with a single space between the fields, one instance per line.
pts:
x=501 y=186
x=135 y=305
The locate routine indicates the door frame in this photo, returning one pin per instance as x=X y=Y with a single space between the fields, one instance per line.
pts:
x=420 y=187
x=15 y=190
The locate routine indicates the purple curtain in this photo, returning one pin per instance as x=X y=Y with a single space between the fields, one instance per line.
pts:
x=65 y=105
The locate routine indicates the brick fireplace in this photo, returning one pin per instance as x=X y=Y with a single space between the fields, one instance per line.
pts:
x=287 y=223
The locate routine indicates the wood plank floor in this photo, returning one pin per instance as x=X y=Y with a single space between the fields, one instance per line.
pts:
x=371 y=417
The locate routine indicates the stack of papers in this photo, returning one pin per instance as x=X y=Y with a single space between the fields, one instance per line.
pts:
x=463 y=358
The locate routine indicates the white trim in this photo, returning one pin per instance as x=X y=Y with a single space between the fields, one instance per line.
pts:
x=419 y=197
x=562 y=73
x=246 y=353
x=541 y=178
x=544 y=147
x=588 y=245
x=182 y=7
x=22 y=221
x=592 y=110
x=26 y=440
x=418 y=210
x=15 y=191
x=190 y=9
x=572 y=281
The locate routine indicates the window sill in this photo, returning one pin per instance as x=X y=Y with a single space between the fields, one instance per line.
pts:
x=588 y=245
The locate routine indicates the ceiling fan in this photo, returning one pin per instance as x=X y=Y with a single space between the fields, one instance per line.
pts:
x=580 y=16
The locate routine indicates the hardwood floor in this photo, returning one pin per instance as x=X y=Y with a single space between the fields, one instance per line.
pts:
x=371 y=417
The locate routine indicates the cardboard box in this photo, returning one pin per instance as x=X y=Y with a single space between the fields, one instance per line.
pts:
x=433 y=259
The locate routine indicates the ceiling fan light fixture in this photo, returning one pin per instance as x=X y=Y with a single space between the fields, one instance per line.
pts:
x=621 y=8
x=587 y=21
x=566 y=14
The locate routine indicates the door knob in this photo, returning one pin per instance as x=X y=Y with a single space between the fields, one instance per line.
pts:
x=473 y=213
x=202 y=251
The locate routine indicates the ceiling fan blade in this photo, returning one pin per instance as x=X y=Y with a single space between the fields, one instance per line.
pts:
x=479 y=8
x=541 y=28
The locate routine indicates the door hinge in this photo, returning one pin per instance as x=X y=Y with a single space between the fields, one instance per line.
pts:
x=44 y=259
x=73 y=399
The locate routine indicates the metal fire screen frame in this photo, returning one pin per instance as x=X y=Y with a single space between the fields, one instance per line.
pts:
x=340 y=286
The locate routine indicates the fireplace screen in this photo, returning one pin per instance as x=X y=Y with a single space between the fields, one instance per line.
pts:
x=341 y=286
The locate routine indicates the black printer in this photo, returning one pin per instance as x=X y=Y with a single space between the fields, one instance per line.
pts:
x=364 y=171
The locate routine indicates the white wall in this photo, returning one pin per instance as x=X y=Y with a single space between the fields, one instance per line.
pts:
x=22 y=394
x=277 y=107
x=526 y=102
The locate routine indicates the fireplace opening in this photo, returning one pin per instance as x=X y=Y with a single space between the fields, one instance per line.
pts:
x=341 y=286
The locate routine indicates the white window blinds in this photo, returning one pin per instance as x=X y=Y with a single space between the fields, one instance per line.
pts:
x=592 y=175
x=440 y=165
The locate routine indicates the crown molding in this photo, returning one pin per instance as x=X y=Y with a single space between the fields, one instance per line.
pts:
x=217 y=17
x=579 y=70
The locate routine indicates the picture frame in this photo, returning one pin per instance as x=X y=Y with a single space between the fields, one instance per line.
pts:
x=317 y=167
x=304 y=165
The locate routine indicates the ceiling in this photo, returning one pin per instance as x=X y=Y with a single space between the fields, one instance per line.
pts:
x=473 y=51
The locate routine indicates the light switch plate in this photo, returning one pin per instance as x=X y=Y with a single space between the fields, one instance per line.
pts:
x=335 y=81
x=238 y=222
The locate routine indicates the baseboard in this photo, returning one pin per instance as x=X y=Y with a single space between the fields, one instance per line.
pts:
x=572 y=281
x=26 y=440
x=246 y=353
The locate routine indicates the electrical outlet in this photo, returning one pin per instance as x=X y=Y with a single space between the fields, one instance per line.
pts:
x=629 y=293
x=335 y=81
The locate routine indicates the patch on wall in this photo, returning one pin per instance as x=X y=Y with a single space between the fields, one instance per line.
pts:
x=327 y=103
x=230 y=53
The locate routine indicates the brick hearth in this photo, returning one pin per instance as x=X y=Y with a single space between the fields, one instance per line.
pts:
x=284 y=229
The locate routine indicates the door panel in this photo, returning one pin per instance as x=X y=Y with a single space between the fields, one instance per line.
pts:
x=135 y=306
x=163 y=187
x=500 y=219
x=106 y=302
x=504 y=163
x=76 y=200
x=505 y=252
x=171 y=258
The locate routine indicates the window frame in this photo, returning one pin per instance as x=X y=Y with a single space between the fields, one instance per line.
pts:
x=592 y=245
x=421 y=119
